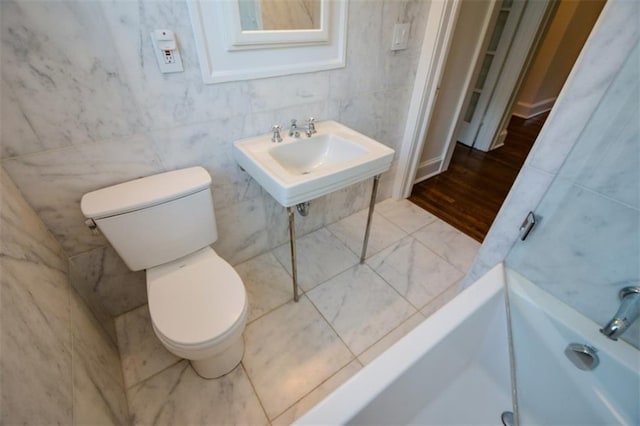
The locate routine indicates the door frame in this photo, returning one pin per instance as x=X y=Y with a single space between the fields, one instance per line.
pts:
x=437 y=41
x=441 y=23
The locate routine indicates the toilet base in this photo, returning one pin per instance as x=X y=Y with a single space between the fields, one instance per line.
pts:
x=220 y=363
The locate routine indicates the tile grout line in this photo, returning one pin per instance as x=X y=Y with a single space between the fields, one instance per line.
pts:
x=354 y=358
x=437 y=254
x=253 y=388
x=173 y=364
x=317 y=387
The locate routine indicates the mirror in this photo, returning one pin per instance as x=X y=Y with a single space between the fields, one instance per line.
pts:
x=280 y=15
x=309 y=35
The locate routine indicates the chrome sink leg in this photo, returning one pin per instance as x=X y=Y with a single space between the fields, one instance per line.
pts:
x=292 y=241
x=372 y=204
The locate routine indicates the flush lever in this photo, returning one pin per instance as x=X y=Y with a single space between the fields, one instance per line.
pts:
x=91 y=224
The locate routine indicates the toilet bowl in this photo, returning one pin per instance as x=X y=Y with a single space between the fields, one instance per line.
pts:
x=198 y=308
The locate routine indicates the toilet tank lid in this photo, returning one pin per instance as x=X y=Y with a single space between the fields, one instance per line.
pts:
x=144 y=192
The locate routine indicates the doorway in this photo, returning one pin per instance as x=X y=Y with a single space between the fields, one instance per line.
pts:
x=471 y=188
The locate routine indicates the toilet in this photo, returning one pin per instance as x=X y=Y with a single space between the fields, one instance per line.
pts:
x=165 y=224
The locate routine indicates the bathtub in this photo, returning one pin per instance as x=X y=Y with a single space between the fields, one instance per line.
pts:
x=455 y=368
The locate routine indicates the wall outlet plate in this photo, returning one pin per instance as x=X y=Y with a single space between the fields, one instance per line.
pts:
x=165 y=48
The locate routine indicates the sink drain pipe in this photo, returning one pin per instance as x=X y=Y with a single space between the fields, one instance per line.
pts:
x=303 y=208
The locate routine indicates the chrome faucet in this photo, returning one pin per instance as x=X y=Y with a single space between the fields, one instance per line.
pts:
x=294 y=130
x=628 y=312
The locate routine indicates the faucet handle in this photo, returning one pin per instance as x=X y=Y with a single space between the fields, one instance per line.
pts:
x=276 y=133
x=311 y=126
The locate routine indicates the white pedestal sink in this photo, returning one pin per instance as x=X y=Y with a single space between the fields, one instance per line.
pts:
x=300 y=169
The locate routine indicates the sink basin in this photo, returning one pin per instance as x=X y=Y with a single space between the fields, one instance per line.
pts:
x=316 y=153
x=301 y=169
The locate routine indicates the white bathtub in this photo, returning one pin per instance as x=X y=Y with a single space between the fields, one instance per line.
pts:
x=454 y=368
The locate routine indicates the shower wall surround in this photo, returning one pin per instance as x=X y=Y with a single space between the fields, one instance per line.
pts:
x=86 y=107
x=590 y=216
x=594 y=247
x=58 y=366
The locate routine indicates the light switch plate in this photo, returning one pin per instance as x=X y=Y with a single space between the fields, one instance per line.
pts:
x=400 y=36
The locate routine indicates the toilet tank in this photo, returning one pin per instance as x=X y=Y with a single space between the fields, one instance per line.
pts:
x=155 y=219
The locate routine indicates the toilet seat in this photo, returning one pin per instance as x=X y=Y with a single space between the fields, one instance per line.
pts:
x=196 y=301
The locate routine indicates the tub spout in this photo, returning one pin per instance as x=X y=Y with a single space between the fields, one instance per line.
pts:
x=627 y=313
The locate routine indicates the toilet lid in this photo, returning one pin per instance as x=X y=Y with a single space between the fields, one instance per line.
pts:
x=195 y=299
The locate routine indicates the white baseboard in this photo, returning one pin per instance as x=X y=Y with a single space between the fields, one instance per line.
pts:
x=526 y=110
x=427 y=169
x=499 y=140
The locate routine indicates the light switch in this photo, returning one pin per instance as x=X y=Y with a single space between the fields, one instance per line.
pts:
x=400 y=36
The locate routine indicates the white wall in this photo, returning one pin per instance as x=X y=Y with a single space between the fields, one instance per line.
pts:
x=558 y=51
x=86 y=107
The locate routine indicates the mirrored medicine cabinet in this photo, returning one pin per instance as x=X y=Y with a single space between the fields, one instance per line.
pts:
x=248 y=39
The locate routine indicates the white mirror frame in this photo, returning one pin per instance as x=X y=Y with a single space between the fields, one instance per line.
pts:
x=227 y=53
x=256 y=39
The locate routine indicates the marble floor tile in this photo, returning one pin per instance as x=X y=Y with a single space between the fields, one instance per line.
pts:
x=350 y=231
x=289 y=352
x=141 y=353
x=414 y=271
x=293 y=356
x=387 y=341
x=360 y=306
x=317 y=395
x=452 y=245
x=404 y=214
x=178 y=396
x=267 y=283
x=320 y=256
x=442 y=299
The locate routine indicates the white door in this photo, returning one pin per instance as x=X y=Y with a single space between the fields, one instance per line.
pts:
x=488 y=70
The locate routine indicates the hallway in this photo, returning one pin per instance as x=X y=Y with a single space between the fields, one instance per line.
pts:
x=469 y=194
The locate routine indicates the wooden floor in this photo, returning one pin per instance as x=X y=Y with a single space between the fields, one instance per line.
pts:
x=469 y=194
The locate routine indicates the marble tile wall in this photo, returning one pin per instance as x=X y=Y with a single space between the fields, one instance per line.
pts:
x=57 y=364
x=87 y=107
x=591 y=213
x=582 y=179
